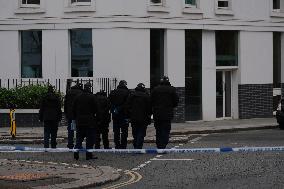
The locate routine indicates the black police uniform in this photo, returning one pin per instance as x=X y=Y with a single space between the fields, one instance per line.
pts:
x=50 y=113
x=84 y=112
x=118 y=98
x=139 y=110
x=103 y=119
x=68 y=103
x=163 y=98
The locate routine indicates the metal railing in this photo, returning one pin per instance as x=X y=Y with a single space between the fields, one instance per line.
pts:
x=62 y=85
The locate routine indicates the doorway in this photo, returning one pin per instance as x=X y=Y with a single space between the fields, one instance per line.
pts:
x=223 y=94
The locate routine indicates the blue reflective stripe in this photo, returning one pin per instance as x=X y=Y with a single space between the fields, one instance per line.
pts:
x=144 y=151
x=227 y=149
x=151 y=151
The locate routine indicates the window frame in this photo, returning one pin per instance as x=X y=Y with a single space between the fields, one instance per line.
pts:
x=186 y=5
x=21 y=55
x=27 y=5
x=276 y=10
x=156 y=4
x=229 y=7
x=80 y=3
x=71 y=50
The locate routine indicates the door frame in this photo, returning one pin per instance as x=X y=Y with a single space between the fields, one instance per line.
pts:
x=224 y=93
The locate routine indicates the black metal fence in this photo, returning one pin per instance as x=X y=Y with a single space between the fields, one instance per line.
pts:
x=62 y=85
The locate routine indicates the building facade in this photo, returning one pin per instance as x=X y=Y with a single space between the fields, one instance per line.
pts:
x=223 y=56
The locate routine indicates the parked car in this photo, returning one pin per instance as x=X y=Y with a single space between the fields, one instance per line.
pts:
x=280 y=114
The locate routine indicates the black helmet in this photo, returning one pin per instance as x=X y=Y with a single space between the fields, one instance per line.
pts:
x=88 y=85
x=123 y=82
x=50 y=89
x=141 y=85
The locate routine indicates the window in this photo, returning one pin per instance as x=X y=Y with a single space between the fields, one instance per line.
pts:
x=31 y=54
x=157 y=44
x=81 y=53
x=226 y=48
x=276 y=5
x=80 y=2
x=223 y=4
x=277 y=60
x=30 y=3
x=190 y=3
x=156 y=2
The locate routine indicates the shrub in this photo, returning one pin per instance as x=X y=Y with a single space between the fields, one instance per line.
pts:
x=26 y=97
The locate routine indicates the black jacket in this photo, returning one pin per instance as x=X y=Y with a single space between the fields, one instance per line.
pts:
x=103 y=114
x=118 y=98
x=69 y=99
x=50 y=108
x=85 y=110
x=139 y=107
x=164 y=99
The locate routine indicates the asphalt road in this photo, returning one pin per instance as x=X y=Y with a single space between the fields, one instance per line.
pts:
x=198 y=170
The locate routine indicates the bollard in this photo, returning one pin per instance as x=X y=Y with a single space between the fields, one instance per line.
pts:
x=12 y=123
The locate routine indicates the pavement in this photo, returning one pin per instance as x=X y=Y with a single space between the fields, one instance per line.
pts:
x=62 y=175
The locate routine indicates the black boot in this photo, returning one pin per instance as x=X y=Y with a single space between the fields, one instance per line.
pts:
x=76 y=155
x=90 y=156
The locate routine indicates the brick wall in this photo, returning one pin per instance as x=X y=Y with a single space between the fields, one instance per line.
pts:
x=179 y=112
x=25 y=120
x=255 y=101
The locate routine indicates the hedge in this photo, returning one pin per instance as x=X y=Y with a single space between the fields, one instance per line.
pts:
x=26 y=97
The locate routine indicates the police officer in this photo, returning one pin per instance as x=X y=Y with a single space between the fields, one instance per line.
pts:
x=139 y=109
x=103 y=119
x=84 y=112
x=118 y=98
x=164 y=98
x=68 y=103
x=50 y=114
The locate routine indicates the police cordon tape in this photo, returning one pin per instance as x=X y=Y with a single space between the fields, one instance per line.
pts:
x=4 y=149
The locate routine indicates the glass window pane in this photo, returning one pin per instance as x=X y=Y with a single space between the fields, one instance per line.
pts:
x=81 y=53
x=277 y=60
x=223 y=4
x=276 y=4
x=36 y=2
x=156 y=56
x=190 y=2
x=31 y=54
x=156 y=1
x=193 y=75
x=226 y=48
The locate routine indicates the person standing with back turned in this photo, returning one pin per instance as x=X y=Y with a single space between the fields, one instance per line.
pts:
x=139 y=110
x=164 y=99
x=50 y=114
x=68 y=103
x=118 y=98
x=84 y=112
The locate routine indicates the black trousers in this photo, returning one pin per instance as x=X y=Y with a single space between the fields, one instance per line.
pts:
x=50 y=132
x=85 y=132
x=138 y=132
x=163 y=129
x=120 y=131
x=102 y=131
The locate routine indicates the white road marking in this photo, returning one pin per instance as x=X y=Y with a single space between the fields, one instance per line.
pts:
x=155 y=159
x=142 y=165
x=159 y=156
x=195 y=139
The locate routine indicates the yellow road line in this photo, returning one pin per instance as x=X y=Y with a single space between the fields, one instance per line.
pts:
x=135 y=177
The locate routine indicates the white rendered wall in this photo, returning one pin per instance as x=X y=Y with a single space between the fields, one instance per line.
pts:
x=256 y=57
x=55 y=54
x=9 y=54
x=208 y=75
x=282 y=57
x=122 y=53
x=175 y=57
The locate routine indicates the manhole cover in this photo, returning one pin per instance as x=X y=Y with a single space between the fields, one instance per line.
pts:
x=25 y=176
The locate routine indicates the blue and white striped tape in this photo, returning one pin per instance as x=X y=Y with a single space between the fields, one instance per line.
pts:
x=144 y=151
